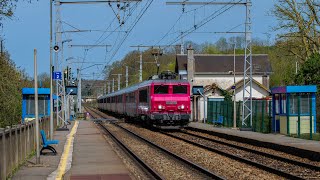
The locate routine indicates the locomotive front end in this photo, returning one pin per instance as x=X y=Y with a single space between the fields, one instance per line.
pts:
x=170 y=104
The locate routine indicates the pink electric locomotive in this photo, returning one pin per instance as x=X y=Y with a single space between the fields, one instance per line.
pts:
x=163 y=102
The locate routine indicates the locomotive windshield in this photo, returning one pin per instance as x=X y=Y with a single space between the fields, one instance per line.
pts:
x=158 y=89
x=180 y=89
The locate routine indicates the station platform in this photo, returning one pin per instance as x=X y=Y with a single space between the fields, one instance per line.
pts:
x=83 y=153
x=272 y=139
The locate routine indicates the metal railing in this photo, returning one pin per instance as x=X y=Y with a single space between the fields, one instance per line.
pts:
x=261 y=114
x=17 y=143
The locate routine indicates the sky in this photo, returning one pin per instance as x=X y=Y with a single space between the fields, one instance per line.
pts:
x=29 y=29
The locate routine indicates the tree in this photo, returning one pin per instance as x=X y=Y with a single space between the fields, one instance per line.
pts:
x=222 y=44
x=309 y=72
x=44 y=80
x=10 y=92
x=210 y=49
x=299 y=25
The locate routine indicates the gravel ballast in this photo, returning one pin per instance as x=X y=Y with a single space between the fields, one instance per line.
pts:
x=214 y=162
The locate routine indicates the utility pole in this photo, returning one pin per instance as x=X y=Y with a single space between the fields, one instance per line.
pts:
x=112 y=84
x=127 y=74
x=157 y=52
x=59 y=87
x=36 y=107
x=51 y=71
x=108 y=87
x=140 y=72
x=119 y=76
x=58 y=33
x=234 y=88
x=79 y=94
x=140 y=60
x=119 y=82
x=182 y=44
x=79 y=91
x=247 y=70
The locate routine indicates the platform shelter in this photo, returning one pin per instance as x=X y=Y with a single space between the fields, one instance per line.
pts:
x=294 y=109
x=28 y=104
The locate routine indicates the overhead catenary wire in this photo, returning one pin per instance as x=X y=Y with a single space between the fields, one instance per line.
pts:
x=204 y=21
x=179 y=18
x=131 y=28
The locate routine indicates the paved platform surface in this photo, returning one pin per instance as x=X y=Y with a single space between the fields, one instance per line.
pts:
x=49 y=163
x=93 y=158
x=272 y=138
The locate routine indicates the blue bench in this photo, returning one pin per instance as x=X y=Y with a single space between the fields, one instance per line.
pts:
x=46 y=143
x=218 y=122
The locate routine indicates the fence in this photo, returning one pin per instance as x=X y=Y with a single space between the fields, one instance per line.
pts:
x=261 y=114
x=17 y=143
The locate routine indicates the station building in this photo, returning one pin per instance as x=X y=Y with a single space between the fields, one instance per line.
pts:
x=216 y=74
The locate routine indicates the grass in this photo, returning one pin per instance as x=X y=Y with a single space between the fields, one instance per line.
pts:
x=15 y=170
x=315 y=136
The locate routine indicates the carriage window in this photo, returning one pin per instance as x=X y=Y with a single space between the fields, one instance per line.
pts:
x=143 y=96
x=132 y=97
x=161 y=89
x=182 y=89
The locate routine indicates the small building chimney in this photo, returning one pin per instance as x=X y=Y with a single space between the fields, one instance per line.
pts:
x=190 y=71
x=190 y=64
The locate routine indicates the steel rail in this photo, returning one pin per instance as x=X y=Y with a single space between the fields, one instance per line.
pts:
x=286 y=160
x=303 y=153
x=189 y=163
x=152 y=173
x=147 y=168
x=249 y=162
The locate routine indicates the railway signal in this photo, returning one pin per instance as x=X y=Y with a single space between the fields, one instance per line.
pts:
x=56 y=48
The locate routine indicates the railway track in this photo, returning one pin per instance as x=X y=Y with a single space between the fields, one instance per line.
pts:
x=281 y=166
x=147 y=169
x=189 y=169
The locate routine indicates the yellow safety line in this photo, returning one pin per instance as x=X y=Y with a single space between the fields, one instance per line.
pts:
x=64 y=157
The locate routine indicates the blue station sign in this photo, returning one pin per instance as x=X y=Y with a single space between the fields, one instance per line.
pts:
x=57 y=76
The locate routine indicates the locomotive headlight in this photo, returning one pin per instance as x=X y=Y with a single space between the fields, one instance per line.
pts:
x=182 y=106
x=160 y=107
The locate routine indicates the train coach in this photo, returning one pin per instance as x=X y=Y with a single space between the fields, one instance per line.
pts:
x=163 y=102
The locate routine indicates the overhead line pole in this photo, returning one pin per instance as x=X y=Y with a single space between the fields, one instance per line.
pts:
x=51 y=83
x=79 y=94
x=119 y=78
x=127 y=74
x=58 y=31
x=140 y=56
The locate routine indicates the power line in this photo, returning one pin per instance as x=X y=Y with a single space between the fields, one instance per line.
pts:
x=99 y=41
x=204 y=21
x=127 y=34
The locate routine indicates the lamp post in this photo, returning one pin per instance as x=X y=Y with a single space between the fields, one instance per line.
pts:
x=234 y=88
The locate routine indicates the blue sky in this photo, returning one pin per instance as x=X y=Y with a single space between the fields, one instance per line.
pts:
x=29 y=29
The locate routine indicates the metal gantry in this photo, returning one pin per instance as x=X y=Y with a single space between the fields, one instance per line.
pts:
x=57 y=68
x=60 y=86
x=247 y=70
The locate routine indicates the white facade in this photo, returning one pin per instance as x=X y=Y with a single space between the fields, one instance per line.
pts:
x=257 y=92
x=223 y=81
